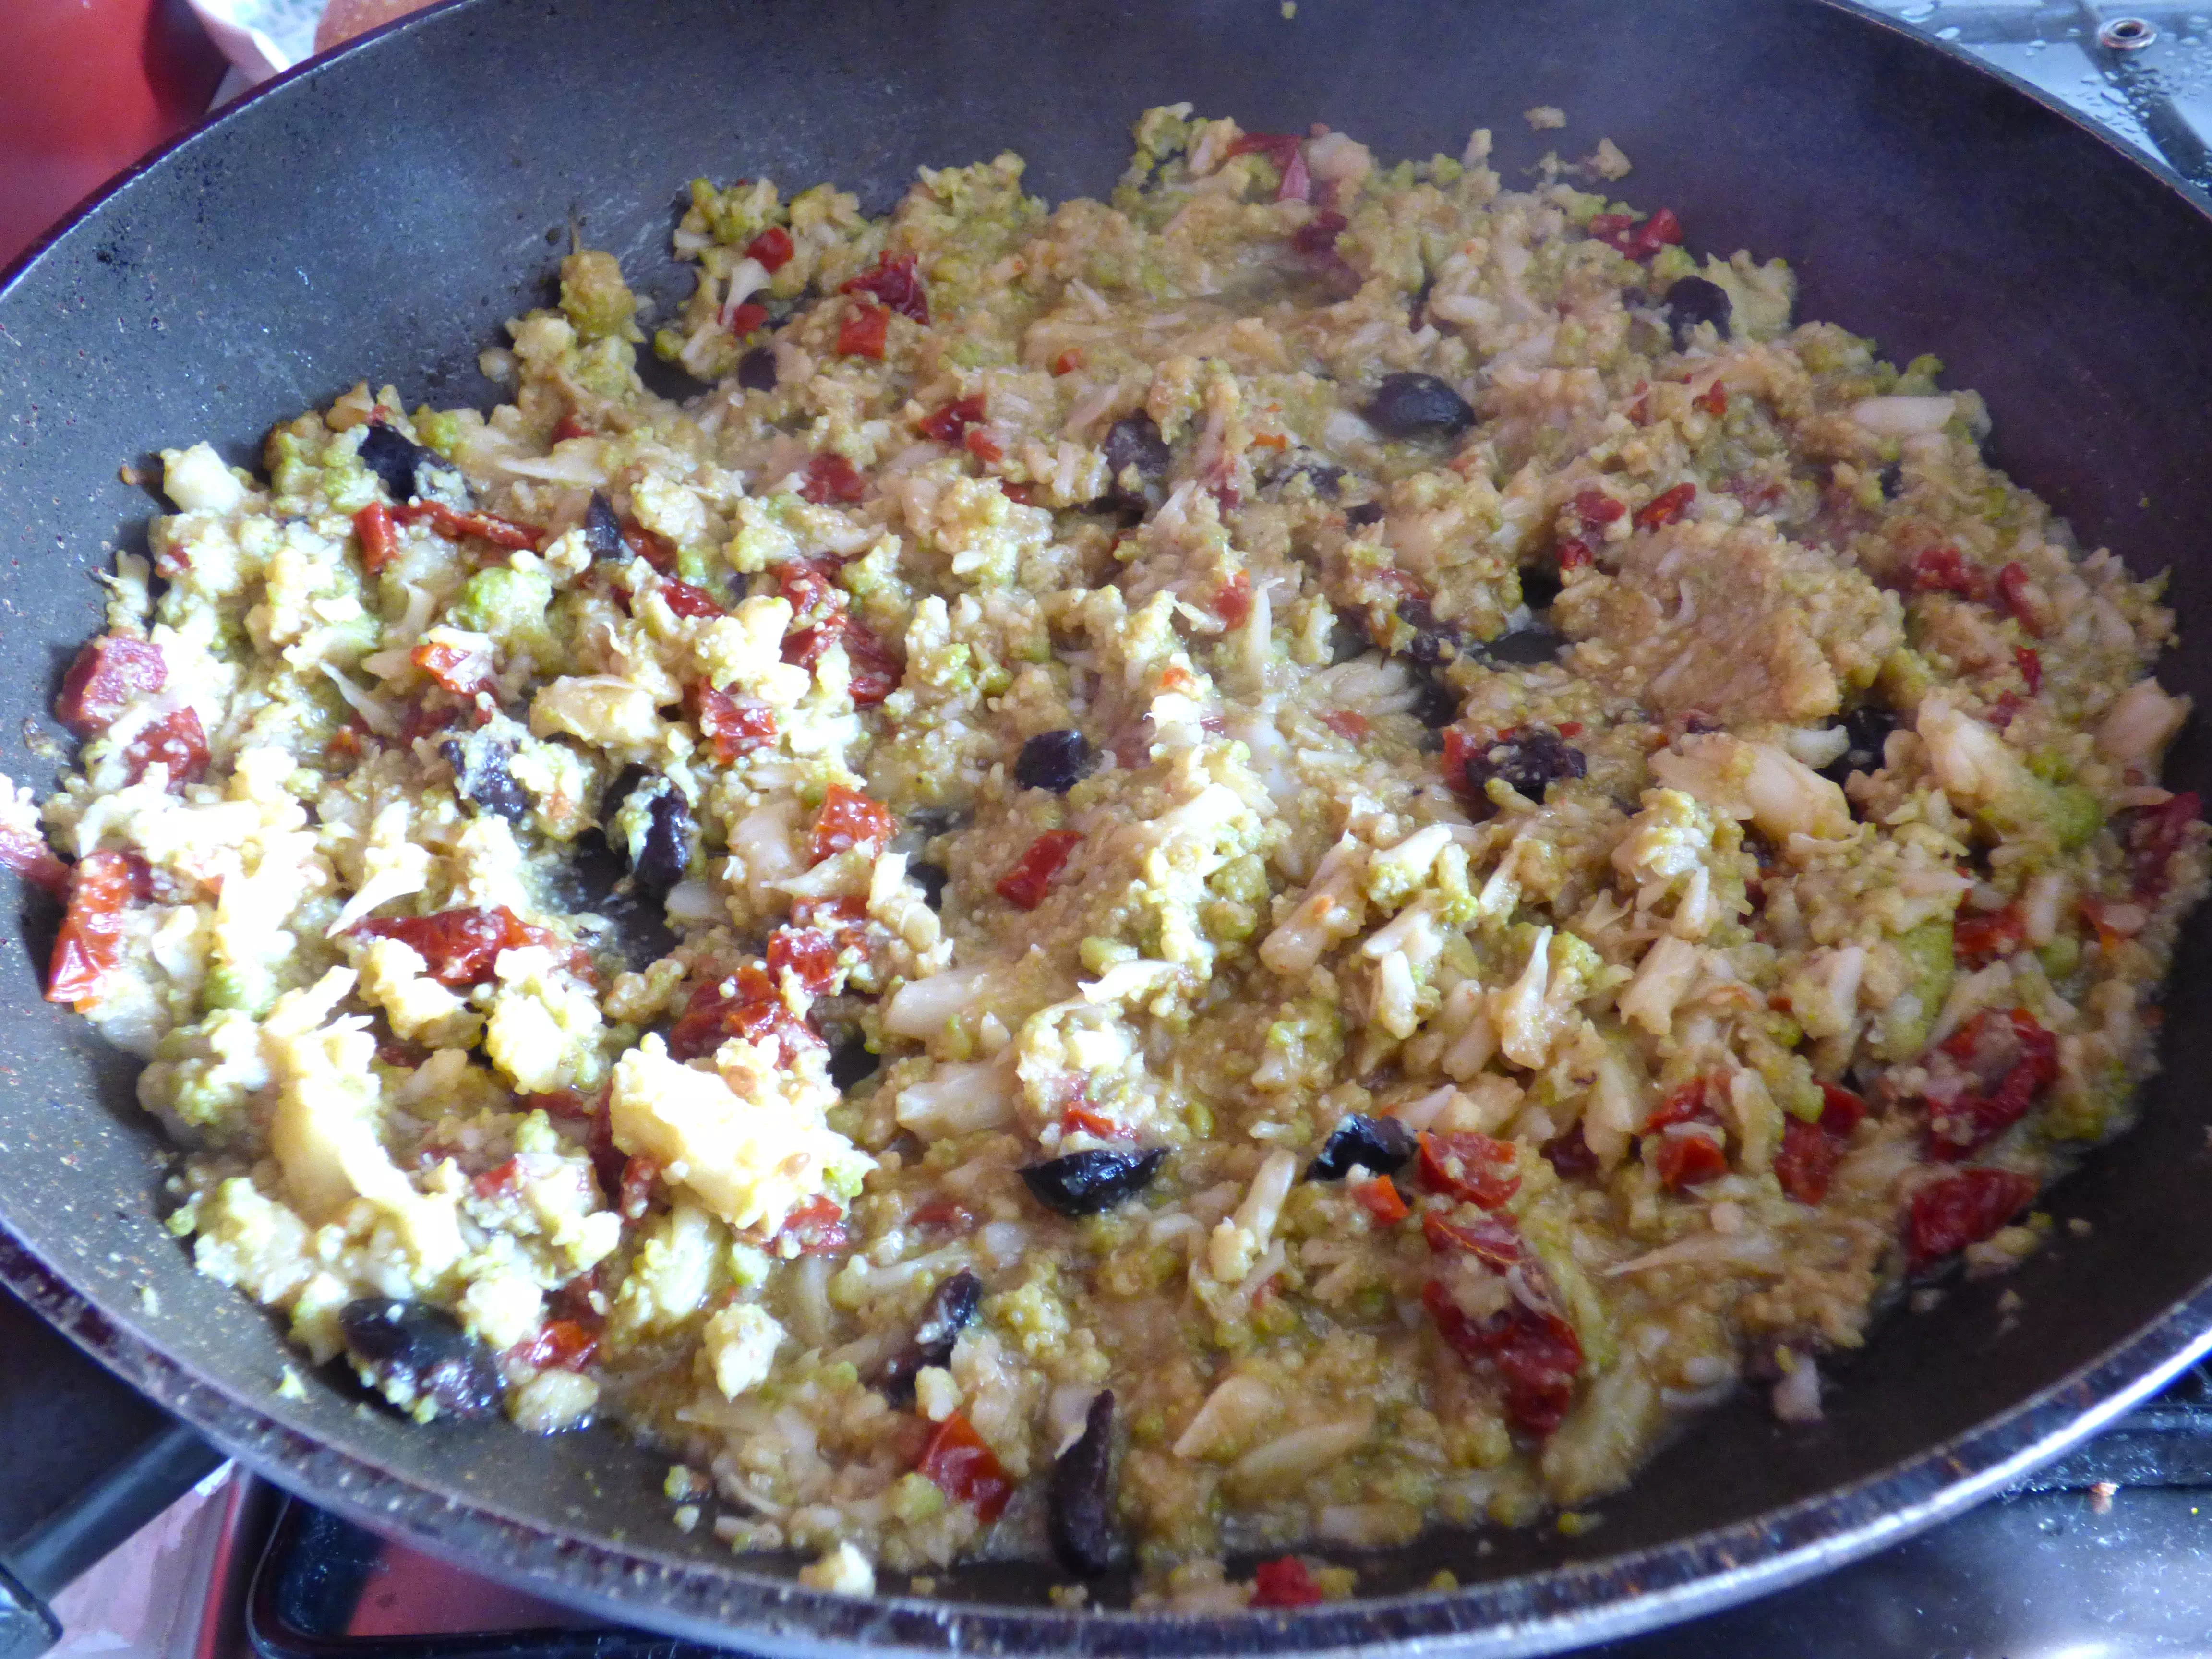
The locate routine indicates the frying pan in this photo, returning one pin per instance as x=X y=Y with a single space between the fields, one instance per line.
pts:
x=379 y=212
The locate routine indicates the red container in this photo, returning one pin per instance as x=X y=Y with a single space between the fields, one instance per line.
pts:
x=91 y=86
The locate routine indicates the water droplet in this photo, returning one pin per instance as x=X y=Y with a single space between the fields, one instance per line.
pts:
x=1949 y=32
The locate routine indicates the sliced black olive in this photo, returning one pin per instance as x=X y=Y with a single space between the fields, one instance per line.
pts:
x=850 y=1062
x=1691 y=301
x=659 y=842
x=1524 y=649
x=1135 y=440
x=1379 y=1144
x=1866 y=732
x=481 y=775
x=1054 y=760
x=1540 y=589
x=1892 y=479
x=394 y=460
x=1366 y=513
x=932 y=878
x=756 y=370
x=1409 y=405
x=1436 y=705
x=1532 y=761
x=949 y=1311
x=603 y=530
x=1085 y=1183
x=411 y=1351
x=1079 y=1507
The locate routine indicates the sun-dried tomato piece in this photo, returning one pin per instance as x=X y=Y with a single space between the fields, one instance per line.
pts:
x=458 y=526
x=745 y=1004
x=831 y=477
x=1284 y=1583
x=1494 y=1243
x=943 y=1214
x=747 y=319
x=635 y=1193
x=685 y=600
x=772 y=248
x=1317 y=236
x=2017 y=1059
x=983 y=446
x=895 y=282
x=1596 y=509
x=1665 y=507
x=810 y=953
x=378 y=537
x=965 y=1469
x=862 y=331
x=463 y=673
x=176 y=741
x=1574 y=553
x=109 y=675
x=1089 y=1121
x=459 y=946
x=848 y=818
x=655 y=550
x=1944 y=570
x=1713 y=400
x=2018 y=599
x=1623 y=235
x=1031 y=878
x=26 y=853
x=947 y=424
x=1470 y=1167
x=735 y=725
x=1961 y=1210
x=1381 y=1200
x=2152 y=835
x=1977 y=941
x=1536 y=1356
x=2029 y=661
x=1232 y=600
x=571 y=425
x=89 y=947
x=501 y=1181
x=1688 y=1158
x=1810 y=1150
x=1347 y=723
x=559 y=1345
x=815 y=1227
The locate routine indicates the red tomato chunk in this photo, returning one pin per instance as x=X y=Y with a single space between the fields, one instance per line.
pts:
x=460 y=946
x=110 y=675
x=1665 y=507
x=745 y=1004
x=771 y=247
x=862 y=331
x=947 y=424
x=1284 y=1583
x=1469 y=1167
x=176 y=741
x=1536 y=1355
x=89 y=947
x=1963 y=1209
x=1027 y=882
x=832 y=478
x=735 y=725
x=848 y=818
x=965 y=1469
x=894 y=282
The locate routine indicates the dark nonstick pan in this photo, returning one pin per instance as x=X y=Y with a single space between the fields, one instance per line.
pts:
x=381 y=212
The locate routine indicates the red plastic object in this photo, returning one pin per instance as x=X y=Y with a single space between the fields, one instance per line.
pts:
x=95 y=84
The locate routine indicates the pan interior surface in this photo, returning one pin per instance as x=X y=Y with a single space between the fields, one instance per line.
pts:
x=380 y=214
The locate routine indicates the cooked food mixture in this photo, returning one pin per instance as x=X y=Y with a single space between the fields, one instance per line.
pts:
x=1216 y=876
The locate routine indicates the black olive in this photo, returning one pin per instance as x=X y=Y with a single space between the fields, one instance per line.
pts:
x=1379 y=1145
x=1054 y=760
x=481 y=775
x=1539 y=588
x=1892 y=479
x=1135 y=440
x=1426 y=649
x=1418 y=406
x=394 y=460
x=603 y=530
x=850 y=1062
x=1079 y=1508
x=1524 y=649
x=1691 y=301
x=932 y=878
x=1436 y=705
x=948 y=1311
x=1532 y=761
x=663 y=851
x=1084 y=1183
x=1346 y=639
x=756 y=370
x=1866 y=731
x=1366 y=513
x=419 y=1350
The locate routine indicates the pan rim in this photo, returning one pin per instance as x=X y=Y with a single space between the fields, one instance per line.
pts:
x=1536 y=1612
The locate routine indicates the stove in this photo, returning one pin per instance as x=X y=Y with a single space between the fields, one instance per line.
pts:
x=149 y=1545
